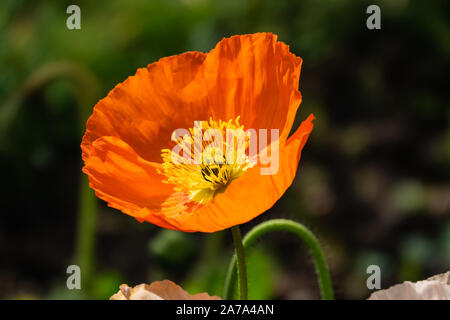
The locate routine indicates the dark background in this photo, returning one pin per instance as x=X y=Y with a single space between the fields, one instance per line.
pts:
x=373 y=182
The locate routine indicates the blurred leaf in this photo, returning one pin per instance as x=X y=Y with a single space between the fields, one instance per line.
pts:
x=416 y=248
x=409 y=271
x=105 y=284
x=207 y=274
x=409 y=196
x=171 y=246
x=261 y=274
x=208 y=278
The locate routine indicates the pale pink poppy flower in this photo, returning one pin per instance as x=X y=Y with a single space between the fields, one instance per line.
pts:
x=158 y=290
x=434 y=288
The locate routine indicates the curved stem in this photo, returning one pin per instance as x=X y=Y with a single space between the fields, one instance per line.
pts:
x=242 y=268
x=304 y=234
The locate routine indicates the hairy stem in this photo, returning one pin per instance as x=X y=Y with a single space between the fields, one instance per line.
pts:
x=242 y=268
x=305 y=235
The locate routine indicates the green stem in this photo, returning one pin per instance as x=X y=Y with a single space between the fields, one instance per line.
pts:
x=242 y=268
x=304 y=234
x=87 y=212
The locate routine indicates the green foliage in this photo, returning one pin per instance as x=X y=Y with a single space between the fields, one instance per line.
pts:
x=262 y=274
x=105 y=284
x=172 y=247
x=375 y=173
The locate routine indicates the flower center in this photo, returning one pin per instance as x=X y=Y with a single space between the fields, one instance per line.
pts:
x=212 y=155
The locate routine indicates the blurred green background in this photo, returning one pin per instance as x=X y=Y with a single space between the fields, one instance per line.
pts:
x=373 y=182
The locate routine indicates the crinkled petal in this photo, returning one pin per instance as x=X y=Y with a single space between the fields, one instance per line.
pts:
x=126 y=181
x=145 y=109
x=254 y=76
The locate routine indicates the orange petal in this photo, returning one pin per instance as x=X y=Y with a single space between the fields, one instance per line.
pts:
x=126 y=181
x=255 y=77
x=249 y=195
x=252 y=76
x=144 y=110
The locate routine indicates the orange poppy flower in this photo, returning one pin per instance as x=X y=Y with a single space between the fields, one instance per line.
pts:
x=245 y=82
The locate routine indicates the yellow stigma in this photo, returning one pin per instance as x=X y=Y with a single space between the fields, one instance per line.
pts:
x=205 y=160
